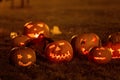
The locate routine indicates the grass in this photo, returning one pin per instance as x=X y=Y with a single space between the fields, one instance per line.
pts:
x=73 y=17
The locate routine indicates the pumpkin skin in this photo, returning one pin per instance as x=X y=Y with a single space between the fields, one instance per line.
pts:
x=100 y=55
x=114 y=37
x=59 y=51
x=20 y=40
x=85 y=42
x=115 y=49
x=34 y=29
x=22 y=56
x=39 y=44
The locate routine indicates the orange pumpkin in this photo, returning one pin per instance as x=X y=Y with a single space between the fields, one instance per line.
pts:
x=115 y=49
x=20 y=40
x=85 y=42
x=100 y=55
x=59 y=51
x=22 y=56
x=34 y=29
x=114 y=37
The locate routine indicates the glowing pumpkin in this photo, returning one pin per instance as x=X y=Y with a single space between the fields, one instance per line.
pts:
x=22 y=56
x=115 y=49
x=85 y=42
x=20 y=40
x=34 y=29
x=100 y=55
x=114 y=37
x=59 y=51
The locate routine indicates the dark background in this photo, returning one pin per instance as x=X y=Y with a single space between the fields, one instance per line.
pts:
x=73 y=17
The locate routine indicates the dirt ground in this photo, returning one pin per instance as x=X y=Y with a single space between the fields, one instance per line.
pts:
x=73 y=17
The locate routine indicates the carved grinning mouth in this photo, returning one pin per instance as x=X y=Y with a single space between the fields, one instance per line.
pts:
x=99 y=58
x=57 y=56
x=23 y=64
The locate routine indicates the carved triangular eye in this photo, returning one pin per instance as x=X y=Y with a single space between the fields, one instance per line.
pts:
x=29 y=56
x=29 y=26
x=19 y=56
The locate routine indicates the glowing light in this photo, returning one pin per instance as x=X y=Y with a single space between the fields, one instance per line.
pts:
x=35 y=29
x=111 y=50
x=22 y=64
x=29 y=56
x=22 y=43
x=61 y=44
x=52 y=46
x=63 y=56
x=13 y=35
x=94 y=39
x=118 y=51
x=19 y=56
x=33 y=35
x=84 y=51
x=57 y=48
x=99 y=53
x=29 y=26
x=99 y=58
x=40 y=25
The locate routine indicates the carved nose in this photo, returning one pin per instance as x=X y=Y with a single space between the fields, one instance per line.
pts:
x=57 y=48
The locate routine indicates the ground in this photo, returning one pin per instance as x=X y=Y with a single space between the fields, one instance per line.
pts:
x=73 y=17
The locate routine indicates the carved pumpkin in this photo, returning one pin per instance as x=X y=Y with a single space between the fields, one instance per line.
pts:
x=20 y=40
x=114 y=37
x=59 y=51
x=22 y=56
x=100 y=55
x=85 y=42
x=115 y=49
x=34 y=29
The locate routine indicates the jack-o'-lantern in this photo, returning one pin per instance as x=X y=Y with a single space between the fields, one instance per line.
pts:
x=59 y=51
x=85 y=42
x=34 y=29
x=22 y=56
x=100 y=55
x=20 y=40
x=115 y=49
x=114 y=37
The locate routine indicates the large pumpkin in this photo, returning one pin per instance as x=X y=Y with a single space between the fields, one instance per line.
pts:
x=59 y=51
x=100 y=55
x=85 y=42
x=114 y=37
x=22 y=56
x=20 y=40
x=34 y=29
x=115 y=49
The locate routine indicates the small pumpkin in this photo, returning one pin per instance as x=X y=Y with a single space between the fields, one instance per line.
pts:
x=85 y=42
x=20 y=40
x=22 y=56
x=34 y=29
x=100 y=55
x=115 y=49
x=114 y=37
x=59 y=51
